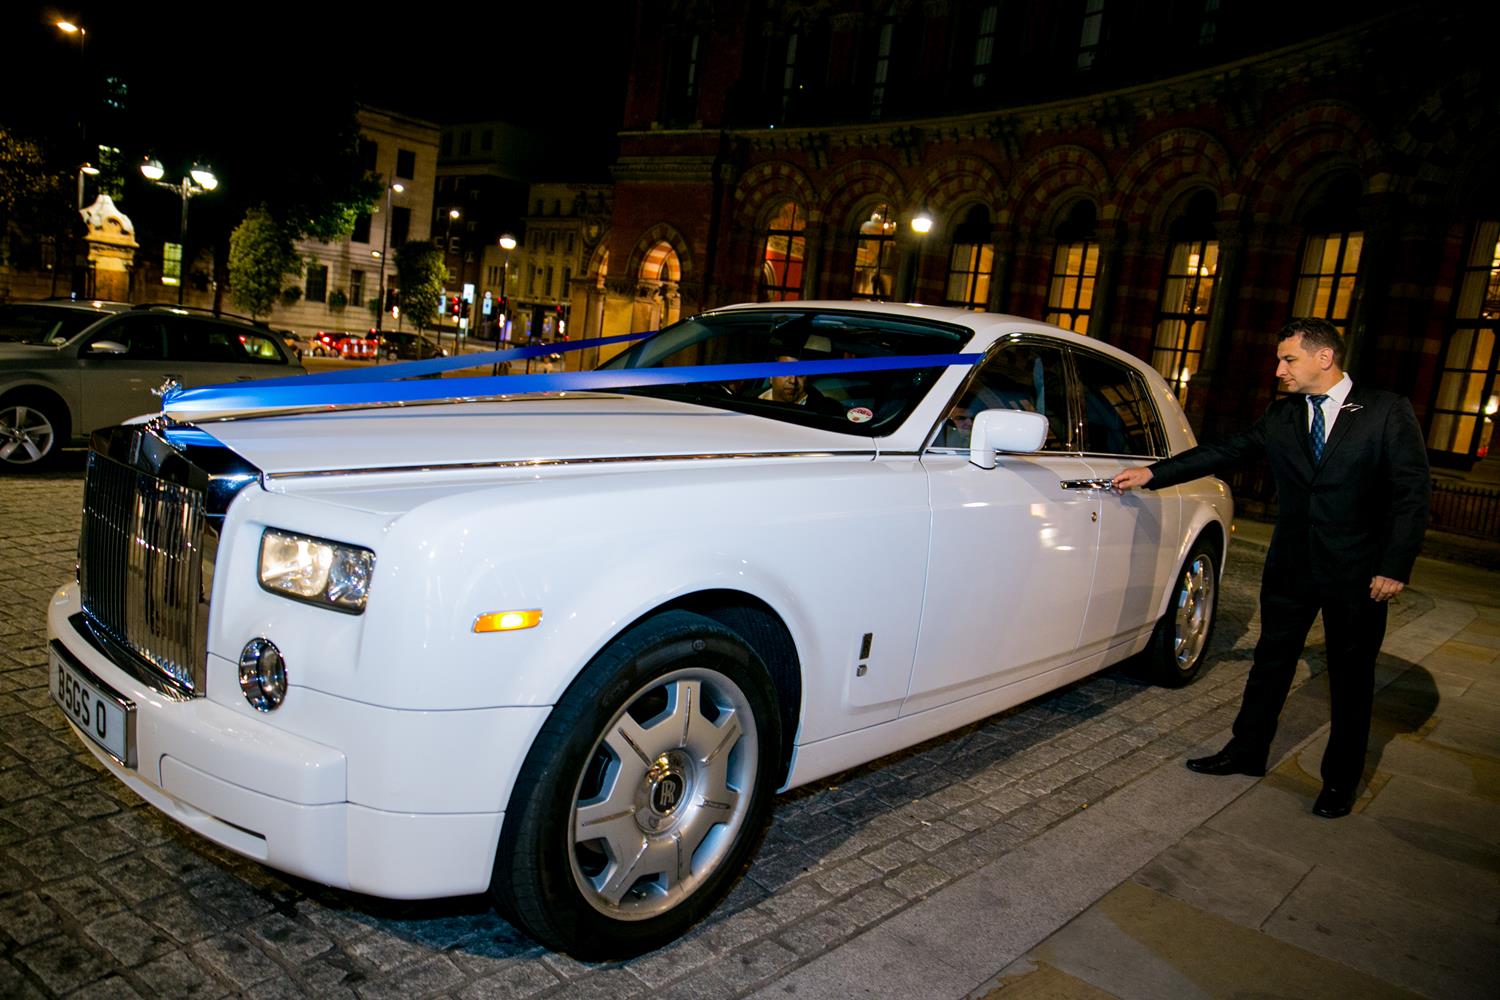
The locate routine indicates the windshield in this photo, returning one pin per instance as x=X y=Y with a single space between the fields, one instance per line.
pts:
x=865 y=403
x=39 y=324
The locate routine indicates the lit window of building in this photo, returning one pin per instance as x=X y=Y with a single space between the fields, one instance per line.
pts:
x=970 y=261
x=1327 y=277
x=1183 y=310
x=782 y=254
x=1468 y=395
x=875 y=254
x=1075 y=269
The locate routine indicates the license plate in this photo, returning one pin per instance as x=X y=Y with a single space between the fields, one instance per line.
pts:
x=99 y=713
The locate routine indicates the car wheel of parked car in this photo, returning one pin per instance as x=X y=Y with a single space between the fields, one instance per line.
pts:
x=1180 y=642
x=645 y=793
x=30 y=432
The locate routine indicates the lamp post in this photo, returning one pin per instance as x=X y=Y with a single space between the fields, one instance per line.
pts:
x=72 y=28
x=385 y=244
x=507 y=243
x=921 y=224
x=199 y=179
x=453 y=213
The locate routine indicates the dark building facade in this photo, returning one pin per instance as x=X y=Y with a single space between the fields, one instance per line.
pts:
x=1176 y=178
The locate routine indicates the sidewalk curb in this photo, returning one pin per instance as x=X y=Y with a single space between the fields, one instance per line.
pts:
x=957 y=942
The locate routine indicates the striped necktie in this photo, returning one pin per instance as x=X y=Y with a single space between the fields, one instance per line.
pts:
x=1316 y=437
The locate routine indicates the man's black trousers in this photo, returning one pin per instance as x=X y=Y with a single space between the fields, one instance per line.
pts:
x=1354 y=627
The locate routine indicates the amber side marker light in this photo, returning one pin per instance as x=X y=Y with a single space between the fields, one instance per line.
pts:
x=507 y=621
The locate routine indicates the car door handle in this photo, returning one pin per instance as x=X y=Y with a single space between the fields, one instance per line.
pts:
x=1087 y=484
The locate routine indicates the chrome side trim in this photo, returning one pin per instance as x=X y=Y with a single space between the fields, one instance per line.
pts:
x=569 y=395
x=533 y=463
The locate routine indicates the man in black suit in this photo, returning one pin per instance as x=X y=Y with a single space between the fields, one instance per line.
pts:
x=1352 y=484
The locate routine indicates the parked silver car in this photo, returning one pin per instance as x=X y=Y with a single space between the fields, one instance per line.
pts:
x=67 y=368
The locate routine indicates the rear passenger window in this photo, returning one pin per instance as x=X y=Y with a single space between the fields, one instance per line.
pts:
x=1018 y=376
x=1118 y=417
x=199 y=340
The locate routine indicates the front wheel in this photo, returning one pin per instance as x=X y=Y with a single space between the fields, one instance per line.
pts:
x=1180 y=642
x=29 y=434
x=645 y=793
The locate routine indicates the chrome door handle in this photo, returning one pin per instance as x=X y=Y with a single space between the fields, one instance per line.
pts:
x=1087 y=484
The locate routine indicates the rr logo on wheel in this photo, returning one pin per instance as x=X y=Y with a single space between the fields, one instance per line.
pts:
x=666 y=794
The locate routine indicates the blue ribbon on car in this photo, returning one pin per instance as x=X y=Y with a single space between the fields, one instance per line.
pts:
x=392 y=384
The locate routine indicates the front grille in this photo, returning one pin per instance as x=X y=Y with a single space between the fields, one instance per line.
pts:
x=139 y=567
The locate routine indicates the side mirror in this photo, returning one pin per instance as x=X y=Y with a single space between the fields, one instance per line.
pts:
x=108 y=347
x=1005 y=430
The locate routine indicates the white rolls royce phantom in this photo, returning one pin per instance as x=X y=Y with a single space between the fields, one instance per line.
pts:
x=566 y=646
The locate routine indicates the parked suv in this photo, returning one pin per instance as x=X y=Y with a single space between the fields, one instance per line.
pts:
x=67 y=368
x=409 y=346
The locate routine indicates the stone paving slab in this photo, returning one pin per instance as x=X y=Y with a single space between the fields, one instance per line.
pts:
x=101 y=894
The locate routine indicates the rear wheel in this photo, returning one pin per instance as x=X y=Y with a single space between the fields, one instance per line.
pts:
x=1180 y=642
x=645 y=794
x=31 y=432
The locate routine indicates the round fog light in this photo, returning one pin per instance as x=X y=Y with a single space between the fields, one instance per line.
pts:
x=262 y=674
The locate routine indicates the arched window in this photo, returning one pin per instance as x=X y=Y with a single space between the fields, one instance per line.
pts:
x=874 y=255
x=1075 y=268
x=1329 y=272
x=1468 y=397
x=782 y=255
x=971 y=260
x=1187 y=293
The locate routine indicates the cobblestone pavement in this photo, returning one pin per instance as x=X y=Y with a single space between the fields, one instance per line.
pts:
x=101 y=895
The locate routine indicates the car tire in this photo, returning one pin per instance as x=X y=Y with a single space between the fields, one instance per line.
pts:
x=669 y=739
x=1180 y=641
x=32 y=432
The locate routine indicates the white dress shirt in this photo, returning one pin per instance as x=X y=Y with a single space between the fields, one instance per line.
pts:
x=1337 y=393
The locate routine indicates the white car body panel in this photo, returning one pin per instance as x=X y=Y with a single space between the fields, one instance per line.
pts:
x=980 y=588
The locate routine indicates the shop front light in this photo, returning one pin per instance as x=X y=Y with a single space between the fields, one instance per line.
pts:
x=319 y=572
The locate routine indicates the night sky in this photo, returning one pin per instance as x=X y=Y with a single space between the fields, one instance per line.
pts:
x=194 y=72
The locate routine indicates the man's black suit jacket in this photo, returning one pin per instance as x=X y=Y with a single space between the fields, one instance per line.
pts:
x=1359 y=513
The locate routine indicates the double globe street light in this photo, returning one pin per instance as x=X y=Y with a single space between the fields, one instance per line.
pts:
x=199 y=180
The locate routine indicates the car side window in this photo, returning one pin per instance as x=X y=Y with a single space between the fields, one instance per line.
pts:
x=143 y=337
x=1118 y=417
x=1018 y=376
x=204 y=340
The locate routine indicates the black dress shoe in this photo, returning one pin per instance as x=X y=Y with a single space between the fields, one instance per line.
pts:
x=1229 y=761
x=1334 y=802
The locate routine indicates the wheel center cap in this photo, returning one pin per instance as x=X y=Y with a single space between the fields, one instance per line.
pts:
x=664 y=790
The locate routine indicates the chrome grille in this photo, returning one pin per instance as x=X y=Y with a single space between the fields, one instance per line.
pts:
x=139 y=573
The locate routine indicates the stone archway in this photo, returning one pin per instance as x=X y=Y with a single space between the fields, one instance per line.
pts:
x=658 y=299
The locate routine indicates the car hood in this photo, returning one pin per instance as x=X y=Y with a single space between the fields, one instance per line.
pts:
x=538 y=429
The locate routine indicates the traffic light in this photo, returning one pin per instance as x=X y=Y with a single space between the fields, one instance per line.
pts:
x=392 y=299
x=455 y=304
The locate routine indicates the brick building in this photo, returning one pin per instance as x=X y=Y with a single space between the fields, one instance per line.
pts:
x=1175 y=178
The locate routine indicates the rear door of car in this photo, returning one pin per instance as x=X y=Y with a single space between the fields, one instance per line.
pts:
x=206 y=351
x=1012 y=548
x=1138 y=530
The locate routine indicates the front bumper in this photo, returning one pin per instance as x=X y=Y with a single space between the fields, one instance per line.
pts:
x=283 y=799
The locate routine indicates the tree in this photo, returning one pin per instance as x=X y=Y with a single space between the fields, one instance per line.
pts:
x=31 y=191
x=420 y=272
x=260 y=256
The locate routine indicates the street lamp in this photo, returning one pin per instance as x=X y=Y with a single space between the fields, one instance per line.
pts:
x=453 y=214
x=199 y=179
x=507 y=243
x=385 y=244
x=921 y=224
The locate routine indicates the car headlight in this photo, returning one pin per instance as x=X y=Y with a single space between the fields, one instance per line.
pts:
x=320 y=572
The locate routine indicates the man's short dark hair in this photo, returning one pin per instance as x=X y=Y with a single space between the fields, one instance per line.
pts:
x=1316 y=334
